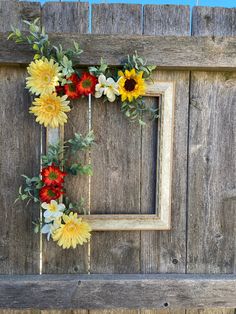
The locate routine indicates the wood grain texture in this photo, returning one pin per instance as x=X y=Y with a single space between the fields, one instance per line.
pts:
x=149 y=161
x=165 y=251
x=166 y=20
x=208 y=21
x=211 y=218
x=116 y=18
x=19 y=154
x=212 y=311
x=168 y=52
x=14 y=13
x=118 y=291
x=64 y=17
x=212 y=171
x=120 y=156
x=56 y=260
x=212 y=167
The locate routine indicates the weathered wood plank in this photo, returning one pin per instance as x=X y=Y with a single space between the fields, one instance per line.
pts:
x=210 y=21
x=212 y=166
x=64 y=17
x=166 y=20
x=212 y=171
x=118 y=291
x=165 y=251
x=56 y=260
x=212 y=311
x=211 y=229
x=14 y=13
x=163 y=51
x=116 y=156
x=19 y=154
x=112 y=19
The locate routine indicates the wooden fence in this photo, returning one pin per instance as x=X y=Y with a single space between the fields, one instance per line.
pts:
x=202 y=238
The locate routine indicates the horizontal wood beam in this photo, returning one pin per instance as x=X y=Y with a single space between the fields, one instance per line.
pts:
x=211 y=53
x=117 y=291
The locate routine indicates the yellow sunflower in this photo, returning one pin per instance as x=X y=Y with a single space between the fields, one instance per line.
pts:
x=44 y=76
x=131 y=85
x=50 y=110
x=74 y=231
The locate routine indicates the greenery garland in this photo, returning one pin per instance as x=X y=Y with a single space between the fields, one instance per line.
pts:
x=54 y=80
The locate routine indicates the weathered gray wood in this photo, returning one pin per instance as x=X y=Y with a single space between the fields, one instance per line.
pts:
x=112 y=19
x=163 y=51
x=113 y=311
x=116 y=156
x=149 y=161
x=19 y=154
x=212 y=171
x=165 y=251
x=166 y=20
x=56 y=260
x=209 y=21
x=212 y=208
x=164 y=311
x=212 y=311
x=212 y=167
x=14 y=12
x=64 y=17
x=118 y=291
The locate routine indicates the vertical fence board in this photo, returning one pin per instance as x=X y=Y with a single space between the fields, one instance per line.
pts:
x=115 y=252
x=164 y=251
x=19 y=153
x=64 y=17
x=213 y=21
x=166 y=20
x=75 y=18
x=148 y=171
x=212 y=207
x=211 y=223
x=13 y=13
x=212 y=171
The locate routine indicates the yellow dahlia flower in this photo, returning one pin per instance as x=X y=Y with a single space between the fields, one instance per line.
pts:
x=44 y=76
x=131 y=85
x=74 y=231
x=50 y=110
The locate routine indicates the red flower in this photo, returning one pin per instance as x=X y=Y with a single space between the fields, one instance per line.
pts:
x=60 y=90
x=52 y=175
x=71 y=88
x=87 y=84
x=49 y=193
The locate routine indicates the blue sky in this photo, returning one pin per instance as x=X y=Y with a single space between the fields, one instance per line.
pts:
x=215 y=3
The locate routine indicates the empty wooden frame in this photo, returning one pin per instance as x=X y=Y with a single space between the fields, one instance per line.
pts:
x=161 y=220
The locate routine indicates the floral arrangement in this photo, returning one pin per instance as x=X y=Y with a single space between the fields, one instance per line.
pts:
x=60 y=218
x=55 y=80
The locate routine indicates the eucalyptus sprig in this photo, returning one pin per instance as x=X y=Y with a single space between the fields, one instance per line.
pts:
x=63 y=156
x=135 y=110
x=101 y=69
x=43 y=48
x=138 y=63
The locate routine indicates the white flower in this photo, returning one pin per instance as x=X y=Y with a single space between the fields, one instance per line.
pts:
x=51 y=227
x=53 y=210
x=107 y=87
